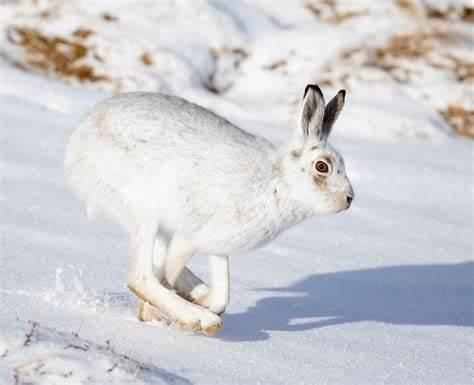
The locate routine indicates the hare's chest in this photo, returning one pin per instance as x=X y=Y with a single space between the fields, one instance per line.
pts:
x=235 y=235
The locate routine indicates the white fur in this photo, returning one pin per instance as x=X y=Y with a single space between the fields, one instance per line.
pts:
x=180 y=178
x=219 y=283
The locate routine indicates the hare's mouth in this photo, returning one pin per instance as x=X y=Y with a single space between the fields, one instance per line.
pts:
x=343 y=203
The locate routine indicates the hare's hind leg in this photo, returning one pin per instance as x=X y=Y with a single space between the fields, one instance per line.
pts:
x=178 y=254
x=145 y=311
x=169 y=257
x=177 y=275
x=187 y=285
x=143 y=283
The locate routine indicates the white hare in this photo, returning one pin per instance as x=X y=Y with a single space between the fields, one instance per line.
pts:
x=180 y=178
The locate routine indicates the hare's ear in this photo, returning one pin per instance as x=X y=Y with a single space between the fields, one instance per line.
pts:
x=332 y=111
x=312 y=114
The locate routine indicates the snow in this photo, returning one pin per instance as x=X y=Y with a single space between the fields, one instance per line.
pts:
x=67 y=359
x=382 y=293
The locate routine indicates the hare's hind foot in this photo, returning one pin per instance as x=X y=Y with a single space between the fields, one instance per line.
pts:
x=186 y=317
x=147 y=313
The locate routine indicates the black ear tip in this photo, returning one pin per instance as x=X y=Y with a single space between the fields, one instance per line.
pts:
x=313 y=87
x=342 y=93
x=307 y=89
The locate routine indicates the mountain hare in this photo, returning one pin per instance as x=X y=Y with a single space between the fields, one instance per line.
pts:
x=180 y=178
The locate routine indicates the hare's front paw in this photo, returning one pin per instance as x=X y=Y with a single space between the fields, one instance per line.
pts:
x=202 y=297
x=217 y=307
x=203 y=300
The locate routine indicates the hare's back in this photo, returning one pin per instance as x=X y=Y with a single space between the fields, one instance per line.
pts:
x=165 y=121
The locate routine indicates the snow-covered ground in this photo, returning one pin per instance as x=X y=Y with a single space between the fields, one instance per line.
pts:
x=382 y=293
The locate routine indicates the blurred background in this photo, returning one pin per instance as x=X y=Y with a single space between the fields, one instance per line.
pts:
x=382 y=293
x=407 y=65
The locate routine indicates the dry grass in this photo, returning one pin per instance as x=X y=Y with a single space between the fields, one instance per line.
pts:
x=40 y=366
x=388 y=57
x=328 y=11
x=82 y=33
x=277 y=64
x=431 y=10
x=411 y=46
x=219 y=55
x=467 y=14
x=463 y=70
x=408 y=7
x=54 y=54
x=109 y=17
x=240 y=53
x=147 y=59
x=460 y=119
x=392 y=56
x=403 y=59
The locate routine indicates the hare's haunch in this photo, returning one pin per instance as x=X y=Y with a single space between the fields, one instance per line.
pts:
x=180 y=178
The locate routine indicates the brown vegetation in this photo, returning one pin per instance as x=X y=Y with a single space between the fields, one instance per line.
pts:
x=460 y=119
x=147 y=59
x=328 y=11
x=394 y=55
x=109 y=17
x=402 y=59
x=408 y=7
x=236 y=55
x=53 y=54
x=82 y=33
x=442 y=12
x=273 y=66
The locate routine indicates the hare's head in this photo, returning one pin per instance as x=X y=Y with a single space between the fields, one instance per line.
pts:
x=314 y=169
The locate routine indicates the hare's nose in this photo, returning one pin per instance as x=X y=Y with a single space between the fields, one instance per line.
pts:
x=349 y=199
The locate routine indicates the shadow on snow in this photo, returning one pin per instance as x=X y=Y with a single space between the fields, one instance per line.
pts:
x=405 y=295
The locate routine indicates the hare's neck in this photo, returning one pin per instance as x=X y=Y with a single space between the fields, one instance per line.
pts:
x=286 y=210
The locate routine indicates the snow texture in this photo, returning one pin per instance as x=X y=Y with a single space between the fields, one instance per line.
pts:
x=380 y=294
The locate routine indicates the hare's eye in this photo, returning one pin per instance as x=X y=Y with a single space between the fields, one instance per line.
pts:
x=322 y=167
